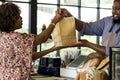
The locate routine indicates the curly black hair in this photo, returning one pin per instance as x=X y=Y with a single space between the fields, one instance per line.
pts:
x=9 y=13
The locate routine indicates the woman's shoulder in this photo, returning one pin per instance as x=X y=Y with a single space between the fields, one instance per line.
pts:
x=17 y=35
x=22 y=34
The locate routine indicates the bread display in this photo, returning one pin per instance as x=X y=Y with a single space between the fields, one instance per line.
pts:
x=93 y=59
x=94 y=68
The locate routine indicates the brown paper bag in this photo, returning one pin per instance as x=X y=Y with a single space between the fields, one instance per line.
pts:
x=64 y=33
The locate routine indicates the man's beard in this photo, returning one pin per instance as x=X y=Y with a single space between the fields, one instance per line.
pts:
x=116 y=21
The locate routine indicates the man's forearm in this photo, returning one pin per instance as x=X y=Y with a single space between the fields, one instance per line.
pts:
x=96 y=47
x=79 y=24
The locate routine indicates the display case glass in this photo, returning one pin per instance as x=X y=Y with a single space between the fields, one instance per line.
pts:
x=115 y=63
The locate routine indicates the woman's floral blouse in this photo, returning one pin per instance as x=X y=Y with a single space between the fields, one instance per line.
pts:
x=15 y=55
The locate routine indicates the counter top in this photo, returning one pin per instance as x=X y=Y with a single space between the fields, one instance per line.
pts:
x=42 y=77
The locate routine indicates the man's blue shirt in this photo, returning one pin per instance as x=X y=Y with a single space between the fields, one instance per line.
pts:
x=101 y=28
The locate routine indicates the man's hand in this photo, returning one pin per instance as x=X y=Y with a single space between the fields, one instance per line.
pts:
x=64 y=12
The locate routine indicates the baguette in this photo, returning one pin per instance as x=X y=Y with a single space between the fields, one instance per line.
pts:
x=96 y=55
x=103 y=63
x=106 y=67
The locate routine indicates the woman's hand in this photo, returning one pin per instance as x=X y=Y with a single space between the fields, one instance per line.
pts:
x=82 y=42
x=57 y=18
x=64 y=12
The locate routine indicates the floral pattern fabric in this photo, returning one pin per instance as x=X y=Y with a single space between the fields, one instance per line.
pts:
x=15 y=55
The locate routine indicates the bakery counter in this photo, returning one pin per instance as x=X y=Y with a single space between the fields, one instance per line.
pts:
x=43 y=77
x=39 y=77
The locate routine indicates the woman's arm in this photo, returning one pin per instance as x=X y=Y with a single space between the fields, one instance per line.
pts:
x=42 y=37
x=37 y=55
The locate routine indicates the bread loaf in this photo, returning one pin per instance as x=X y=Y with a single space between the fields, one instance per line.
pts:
x=103 y=63
x=77 y=76
x=96 y=55
x=91 y=62
x=106 y=67
x=82 y=75
x=99 y=63
x=100 y=75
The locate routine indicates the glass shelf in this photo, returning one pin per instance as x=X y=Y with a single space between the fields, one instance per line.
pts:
x=115 y=63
